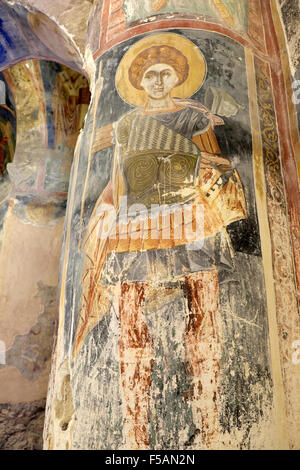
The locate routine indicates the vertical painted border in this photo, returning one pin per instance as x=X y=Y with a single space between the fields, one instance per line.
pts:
x=265 y=236
x=287 y=151
x=284 y=57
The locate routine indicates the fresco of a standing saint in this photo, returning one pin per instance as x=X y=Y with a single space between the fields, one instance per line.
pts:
x=167 y=165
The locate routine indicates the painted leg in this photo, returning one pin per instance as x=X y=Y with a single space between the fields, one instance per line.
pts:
x=136 y=356
x=203 y=350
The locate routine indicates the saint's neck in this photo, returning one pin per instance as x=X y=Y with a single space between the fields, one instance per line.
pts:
x=165 y=105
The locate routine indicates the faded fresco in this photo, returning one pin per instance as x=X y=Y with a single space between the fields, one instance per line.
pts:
x=170 y=323
x=234 y=13
x=51 y=103
x=7 y=126
x=26 y=34
x=45 y=102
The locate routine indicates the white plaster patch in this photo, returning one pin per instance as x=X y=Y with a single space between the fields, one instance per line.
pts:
x=2 y=93
x=2 y=353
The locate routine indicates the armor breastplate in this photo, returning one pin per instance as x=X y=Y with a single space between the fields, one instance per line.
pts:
x=155 y=177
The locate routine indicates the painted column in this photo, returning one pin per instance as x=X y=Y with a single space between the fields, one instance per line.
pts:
x=179 y=321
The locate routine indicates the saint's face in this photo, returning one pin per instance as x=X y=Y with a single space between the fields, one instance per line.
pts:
x=158 y=81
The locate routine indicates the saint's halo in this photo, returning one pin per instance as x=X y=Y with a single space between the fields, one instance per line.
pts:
x=195 y=59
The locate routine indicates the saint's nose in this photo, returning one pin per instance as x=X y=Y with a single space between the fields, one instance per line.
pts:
x=158 y=79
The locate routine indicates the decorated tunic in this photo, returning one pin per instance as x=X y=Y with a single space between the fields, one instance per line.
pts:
x=169 y=162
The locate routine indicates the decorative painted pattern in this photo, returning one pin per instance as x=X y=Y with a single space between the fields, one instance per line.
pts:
x=283 y=266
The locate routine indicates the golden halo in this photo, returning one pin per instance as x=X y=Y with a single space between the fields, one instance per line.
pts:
x=195 y=58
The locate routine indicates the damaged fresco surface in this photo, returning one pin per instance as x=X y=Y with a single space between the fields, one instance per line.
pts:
x=45 y=104
x=178 y=296
x=179 y=276
x=167 y=329
x=232 y=12
x=7 y=125
x=8 y=129
x=26 y=34
x=124 y=18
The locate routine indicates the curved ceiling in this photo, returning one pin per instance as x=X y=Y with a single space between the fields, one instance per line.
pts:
x=28 y=33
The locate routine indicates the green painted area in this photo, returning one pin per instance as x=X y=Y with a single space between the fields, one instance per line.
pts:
x=237 y=9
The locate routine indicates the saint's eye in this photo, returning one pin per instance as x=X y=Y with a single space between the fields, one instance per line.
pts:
x=149 y=75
